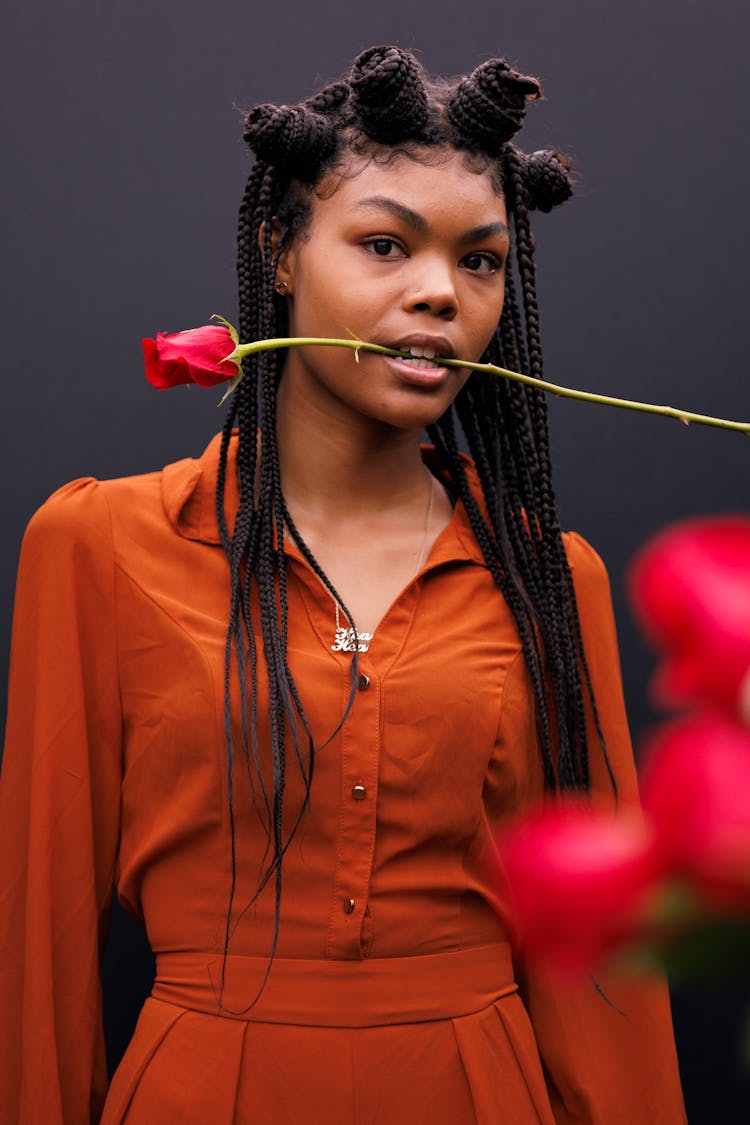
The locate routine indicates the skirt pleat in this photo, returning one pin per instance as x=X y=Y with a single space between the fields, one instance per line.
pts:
x=503 y=1068
x=180 y=1066
x=194 y=1068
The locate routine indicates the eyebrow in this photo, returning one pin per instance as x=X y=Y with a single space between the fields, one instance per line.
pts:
x=419 y=224
x=477 y=234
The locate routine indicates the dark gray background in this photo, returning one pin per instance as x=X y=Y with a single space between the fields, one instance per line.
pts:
x=123 y=168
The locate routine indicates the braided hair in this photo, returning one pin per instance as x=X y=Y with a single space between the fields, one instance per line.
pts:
x=387 y=106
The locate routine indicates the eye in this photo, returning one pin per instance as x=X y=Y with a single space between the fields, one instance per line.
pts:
x=384 y=247
x=482 y=263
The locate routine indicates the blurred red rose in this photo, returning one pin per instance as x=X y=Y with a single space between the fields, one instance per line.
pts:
x=691 y=589
x=194 y=356
x=696 y=788
x=579 y=881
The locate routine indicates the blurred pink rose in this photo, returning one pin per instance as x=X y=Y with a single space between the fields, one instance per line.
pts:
x=696 y=788
x=579 y=881
x=193 y=356
x=691 y=589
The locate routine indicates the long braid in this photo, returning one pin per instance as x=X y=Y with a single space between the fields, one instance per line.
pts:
x=564 y=646
x=255 y=552
x=517 y=602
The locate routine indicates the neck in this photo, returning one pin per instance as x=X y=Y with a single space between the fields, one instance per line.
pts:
x=335 y=466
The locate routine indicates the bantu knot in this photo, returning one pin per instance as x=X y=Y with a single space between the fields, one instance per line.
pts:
x=545 y=174
x=387 y=89
x=295 y=139
x=487 y=108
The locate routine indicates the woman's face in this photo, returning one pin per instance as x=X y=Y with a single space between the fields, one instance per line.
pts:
x=407 y=255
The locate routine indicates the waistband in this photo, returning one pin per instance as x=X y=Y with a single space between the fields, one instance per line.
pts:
x=321 y=993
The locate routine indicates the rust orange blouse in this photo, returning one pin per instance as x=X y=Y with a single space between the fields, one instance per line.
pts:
x=392 y=995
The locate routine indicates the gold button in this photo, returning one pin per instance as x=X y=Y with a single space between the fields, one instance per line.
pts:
x=364 y=683
x=359 y=792
x=349 y=905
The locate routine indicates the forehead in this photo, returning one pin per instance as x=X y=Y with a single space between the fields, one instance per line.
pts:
x=442 y=190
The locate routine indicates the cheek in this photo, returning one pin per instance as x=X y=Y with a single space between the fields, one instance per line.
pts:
x=326 y=294
x=491 y=318
x=498 y=302
x=502 y=298
x=482 y=329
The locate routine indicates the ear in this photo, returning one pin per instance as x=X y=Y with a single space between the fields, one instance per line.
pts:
x=285 y=264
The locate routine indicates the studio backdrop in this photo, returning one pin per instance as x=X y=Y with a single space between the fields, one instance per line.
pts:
x=123 y=169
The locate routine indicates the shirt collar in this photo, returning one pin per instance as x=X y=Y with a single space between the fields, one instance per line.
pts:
x=189 y=498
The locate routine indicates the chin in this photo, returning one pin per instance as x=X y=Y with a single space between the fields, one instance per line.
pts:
x=414 y=420
x=415 y=409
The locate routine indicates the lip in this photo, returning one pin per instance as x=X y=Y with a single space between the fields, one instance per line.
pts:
x=426 y=378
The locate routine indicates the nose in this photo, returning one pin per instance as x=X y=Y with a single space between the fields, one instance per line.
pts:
x=431 y=288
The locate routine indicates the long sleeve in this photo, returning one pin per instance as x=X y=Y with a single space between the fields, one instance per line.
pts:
x=59 y=813
x=603 y=1065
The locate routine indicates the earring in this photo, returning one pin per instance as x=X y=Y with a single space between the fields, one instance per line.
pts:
x=281 y=287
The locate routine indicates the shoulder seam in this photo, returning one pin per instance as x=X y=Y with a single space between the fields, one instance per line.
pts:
x=116 y=623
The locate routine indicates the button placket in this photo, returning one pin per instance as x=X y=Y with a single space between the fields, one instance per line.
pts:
x=349 y=934
x=360 y=749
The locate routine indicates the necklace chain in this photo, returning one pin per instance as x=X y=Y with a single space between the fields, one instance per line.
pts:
x=347 y=638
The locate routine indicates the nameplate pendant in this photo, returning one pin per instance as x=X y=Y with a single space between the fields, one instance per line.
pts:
x=349 y=641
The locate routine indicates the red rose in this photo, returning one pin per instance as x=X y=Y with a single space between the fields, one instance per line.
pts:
x=579 y=880
x=691 y=588
x=194 y=356
x=696 y=788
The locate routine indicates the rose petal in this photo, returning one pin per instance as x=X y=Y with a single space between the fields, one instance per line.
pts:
x=578 y=879
x=696 y=787
x=690 y=587
x=194 y=356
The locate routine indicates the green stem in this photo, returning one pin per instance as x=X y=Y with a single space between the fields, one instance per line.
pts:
x=357 y=346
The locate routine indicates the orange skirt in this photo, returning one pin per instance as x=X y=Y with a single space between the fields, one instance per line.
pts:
x=441 y=1038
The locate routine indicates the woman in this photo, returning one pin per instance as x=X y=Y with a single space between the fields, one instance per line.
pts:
x=421 y=652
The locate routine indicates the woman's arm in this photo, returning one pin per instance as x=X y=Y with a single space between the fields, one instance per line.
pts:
x=59 y=814
x=603 y=1064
